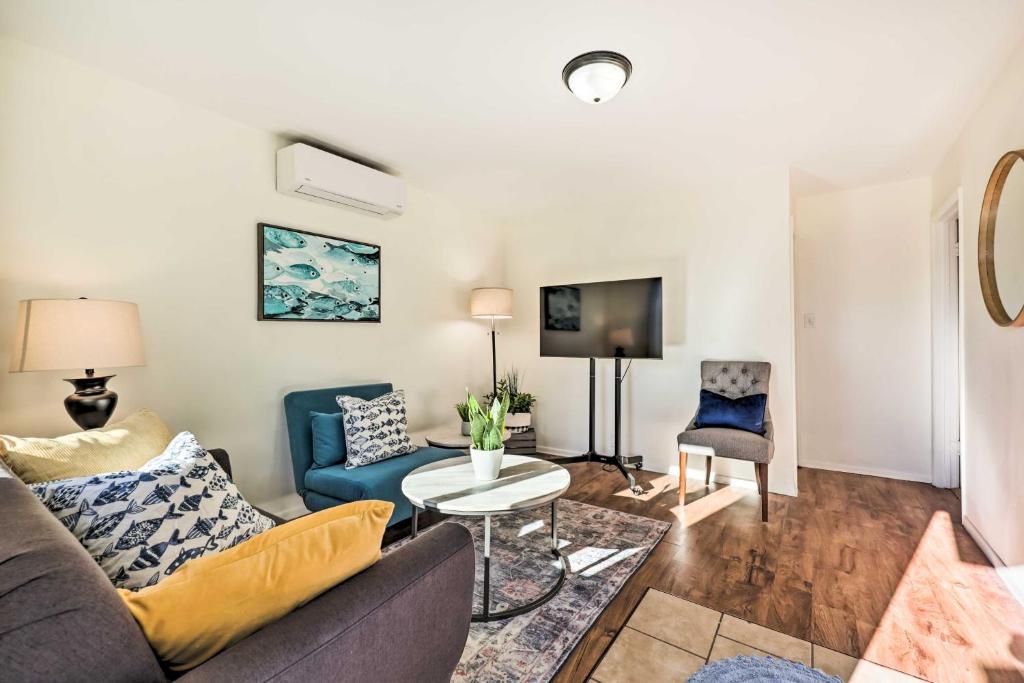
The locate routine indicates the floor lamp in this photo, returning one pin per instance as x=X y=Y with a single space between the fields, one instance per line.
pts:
x=494 y=303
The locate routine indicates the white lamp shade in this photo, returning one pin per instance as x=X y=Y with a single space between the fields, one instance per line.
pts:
x=491 y=302
x=68 y=334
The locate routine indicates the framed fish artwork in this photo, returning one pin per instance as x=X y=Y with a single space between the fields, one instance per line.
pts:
x=307 y=276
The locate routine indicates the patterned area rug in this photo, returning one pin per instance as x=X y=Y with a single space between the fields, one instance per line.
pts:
x=604 y=548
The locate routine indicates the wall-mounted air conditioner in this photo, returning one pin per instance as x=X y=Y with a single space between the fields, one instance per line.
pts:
x=310 y=173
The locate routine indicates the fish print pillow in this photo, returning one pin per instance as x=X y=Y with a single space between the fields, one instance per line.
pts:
x=141 y=526
x=374 y=430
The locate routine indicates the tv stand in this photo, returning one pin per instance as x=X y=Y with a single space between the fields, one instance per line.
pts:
x=617 y=460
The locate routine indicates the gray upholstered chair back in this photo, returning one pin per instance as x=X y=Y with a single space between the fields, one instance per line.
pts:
x=735 y=378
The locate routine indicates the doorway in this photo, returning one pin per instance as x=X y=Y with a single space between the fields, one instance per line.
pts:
x=946 y=346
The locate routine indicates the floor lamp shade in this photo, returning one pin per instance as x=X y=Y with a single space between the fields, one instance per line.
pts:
x=494 y=303
x=79 y=334
x=491 y=302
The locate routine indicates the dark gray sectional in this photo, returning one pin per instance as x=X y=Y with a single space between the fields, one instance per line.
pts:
x=404 y=619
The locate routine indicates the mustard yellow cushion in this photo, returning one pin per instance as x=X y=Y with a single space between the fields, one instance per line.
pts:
x=214 y=601
x=124 y=445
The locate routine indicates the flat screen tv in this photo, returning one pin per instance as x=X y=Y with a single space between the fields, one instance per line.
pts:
x=616 y=319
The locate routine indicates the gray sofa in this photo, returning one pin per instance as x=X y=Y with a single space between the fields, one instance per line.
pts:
x=406 y=618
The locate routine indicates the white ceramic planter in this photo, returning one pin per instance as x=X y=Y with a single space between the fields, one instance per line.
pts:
x=465 y=429
x=517 y=420
x=486 y=464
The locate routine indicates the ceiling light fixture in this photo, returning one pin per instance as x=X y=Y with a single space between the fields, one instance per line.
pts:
x=596 y=77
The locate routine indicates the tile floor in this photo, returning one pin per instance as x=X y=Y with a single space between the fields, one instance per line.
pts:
x=667 y=638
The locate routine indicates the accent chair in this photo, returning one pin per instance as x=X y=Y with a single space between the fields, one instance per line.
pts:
x=732 y=379
x=324 y=487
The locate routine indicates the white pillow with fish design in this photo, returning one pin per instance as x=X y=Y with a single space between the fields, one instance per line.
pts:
x=140 y=526
x=375 y=430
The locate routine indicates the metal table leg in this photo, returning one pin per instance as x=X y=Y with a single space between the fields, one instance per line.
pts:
x=487 y=567
x=486 y=614
x=415 y=520
x=554 y=528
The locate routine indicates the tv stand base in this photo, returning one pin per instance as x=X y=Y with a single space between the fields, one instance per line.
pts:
x=619 y=462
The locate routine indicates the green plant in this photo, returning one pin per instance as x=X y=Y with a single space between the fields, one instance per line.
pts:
x=463 y=410
x=508 y=385
x=487 y=427
x=521 y=403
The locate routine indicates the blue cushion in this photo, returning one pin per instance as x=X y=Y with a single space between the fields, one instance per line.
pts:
x=379 y=481
x=328 y=439
x=745 y=412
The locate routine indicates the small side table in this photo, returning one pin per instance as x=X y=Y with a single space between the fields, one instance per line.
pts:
x=449 y=437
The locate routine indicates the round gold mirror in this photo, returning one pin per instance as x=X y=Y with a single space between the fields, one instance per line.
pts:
x=1001 y=241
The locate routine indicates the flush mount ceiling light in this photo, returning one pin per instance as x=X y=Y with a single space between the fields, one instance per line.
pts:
x=596 y=77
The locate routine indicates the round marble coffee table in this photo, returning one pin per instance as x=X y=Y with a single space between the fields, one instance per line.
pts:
x=449 y=486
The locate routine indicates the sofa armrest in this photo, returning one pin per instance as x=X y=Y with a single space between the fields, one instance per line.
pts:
x=406 y=618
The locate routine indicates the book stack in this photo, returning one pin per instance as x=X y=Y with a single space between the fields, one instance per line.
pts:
x=522 y=441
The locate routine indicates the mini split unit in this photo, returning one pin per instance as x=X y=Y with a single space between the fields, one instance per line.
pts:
x=310 y=173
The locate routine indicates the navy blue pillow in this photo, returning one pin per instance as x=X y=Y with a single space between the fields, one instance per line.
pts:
x=745 y=412
x=328 y=439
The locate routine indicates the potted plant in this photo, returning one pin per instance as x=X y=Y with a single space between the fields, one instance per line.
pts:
x=487 y=431
x=463 y=410
x=520 y=403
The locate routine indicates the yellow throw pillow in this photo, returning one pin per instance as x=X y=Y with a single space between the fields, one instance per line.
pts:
x=215 y=601
x=124 y=445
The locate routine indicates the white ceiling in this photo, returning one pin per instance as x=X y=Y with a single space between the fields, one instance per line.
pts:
x=464 y=97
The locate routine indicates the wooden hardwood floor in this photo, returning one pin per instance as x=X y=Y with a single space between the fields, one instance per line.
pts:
x=872 y=567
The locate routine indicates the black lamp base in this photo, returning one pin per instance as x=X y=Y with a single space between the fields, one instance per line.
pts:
x=92 y=404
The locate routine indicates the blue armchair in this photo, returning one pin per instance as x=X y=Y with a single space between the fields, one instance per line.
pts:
x=324 y=487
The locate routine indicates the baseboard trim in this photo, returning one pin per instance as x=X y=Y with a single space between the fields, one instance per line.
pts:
x=1013 y=577
x=869 y=471
x=737 y=482
x=673 y=471
x=557 y=452
x=974 y=533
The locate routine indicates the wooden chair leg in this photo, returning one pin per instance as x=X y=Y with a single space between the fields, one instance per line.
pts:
x=682 y=477
x=762 y=488
x=707 y=472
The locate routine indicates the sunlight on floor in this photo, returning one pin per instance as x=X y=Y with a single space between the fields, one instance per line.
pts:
x=703 y=508
x=585 y=557
x=658 y=485
x=617 y=557
x=531 y=527
x=940 y=594
x=590 y=561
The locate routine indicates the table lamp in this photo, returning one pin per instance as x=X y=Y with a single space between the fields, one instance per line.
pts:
x=494 y=303
x=63 y=334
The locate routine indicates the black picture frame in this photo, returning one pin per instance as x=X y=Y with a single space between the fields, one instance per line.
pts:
x=261 y=281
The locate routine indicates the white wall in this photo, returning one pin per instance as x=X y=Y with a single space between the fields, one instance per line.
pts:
x=723 y=247
x=864 y=368
x=992 y=436
x=111 y=190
